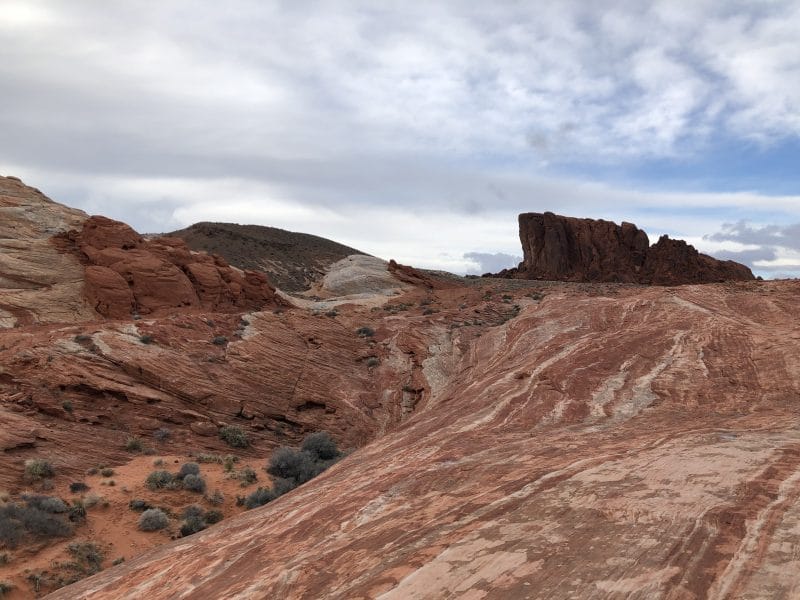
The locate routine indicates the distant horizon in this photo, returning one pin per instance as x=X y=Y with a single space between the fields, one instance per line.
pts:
x=415 y=131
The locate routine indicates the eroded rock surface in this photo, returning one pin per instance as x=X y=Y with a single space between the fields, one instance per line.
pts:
x=609 y=442
x=568 y=249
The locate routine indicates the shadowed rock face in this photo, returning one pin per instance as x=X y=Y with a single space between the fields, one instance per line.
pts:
x=569 y=249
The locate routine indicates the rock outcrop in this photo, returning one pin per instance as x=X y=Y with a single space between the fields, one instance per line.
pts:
x=59 y=265
x=569 y=249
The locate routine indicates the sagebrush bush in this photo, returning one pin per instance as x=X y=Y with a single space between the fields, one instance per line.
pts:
x=214 y=516
x=234 y=436
x=16 y=520
x=216 y=498
x=259 y=497
x=139 y=505
x=365 y=332
x=188 y=468
x=158 y=480
x=38 y=468
x=321 y=445
x=162 y=434
x=194 y=483
x=192 y=525
x=88 y=555
x=107 y=472
x=297 y=466
x=78 y=486
x=153 y=519
x=193 y=510
x=48 y=504
x=134 y=444
x=5 y=588
x=247 y=476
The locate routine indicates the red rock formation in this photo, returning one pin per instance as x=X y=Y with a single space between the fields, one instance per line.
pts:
x=650 y=451
x=127 y=274
x=568 y=249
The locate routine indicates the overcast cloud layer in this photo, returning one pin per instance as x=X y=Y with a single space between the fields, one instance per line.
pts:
x=415 y=130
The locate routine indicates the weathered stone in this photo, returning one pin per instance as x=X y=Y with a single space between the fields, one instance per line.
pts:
x=569 y=249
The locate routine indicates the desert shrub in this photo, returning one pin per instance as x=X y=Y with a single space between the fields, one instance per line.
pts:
x=288 y=463
x=216 y=498
x=214 y=516
x=247 y=476
x=321 y=445
x=48 y=504
x=118 y=561
x=219 y=340
x=16 y=520
x=134 y=444
x=194 y=483
x=260 y=497
x=4 y=558
x=162 y=434
x=139 y=505
x=146 y=339
x=112 y=483
x=208 y=458
x=67 y=406
x=38 y=468
x=77 y=512
x=159 y=462
x=78 y=486
x=88 y=555
x=365 y=332
x=373 y=361
x=158 y=480
x=5 y=588
x=192 y=525
x=92 y=471
x=234 y=436
x=229 y=461
x=193 y=510
x=189 y=468
x=107 y=472
x=153 y=519
x=91 y=500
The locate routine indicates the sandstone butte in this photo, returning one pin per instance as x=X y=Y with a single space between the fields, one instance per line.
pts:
x=516 y=439
x=569 y=249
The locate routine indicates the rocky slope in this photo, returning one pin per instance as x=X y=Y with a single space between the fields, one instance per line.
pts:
x=569 y=249
x=293 y=261
x=512 y=439
x=605 y=443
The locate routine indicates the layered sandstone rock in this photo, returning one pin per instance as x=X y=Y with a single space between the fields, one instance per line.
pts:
x=39 y=282
x=568 y=249
x=608 y=442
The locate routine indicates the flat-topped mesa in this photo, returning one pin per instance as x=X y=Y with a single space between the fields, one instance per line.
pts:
x=570 y=249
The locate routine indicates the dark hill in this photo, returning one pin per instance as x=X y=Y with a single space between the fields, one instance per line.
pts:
x=292 y=260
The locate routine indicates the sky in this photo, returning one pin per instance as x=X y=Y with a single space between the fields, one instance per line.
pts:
x=415 y=130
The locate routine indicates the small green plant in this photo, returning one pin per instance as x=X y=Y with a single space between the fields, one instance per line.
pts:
x=234 y=436
x=107 y=472
x=37 y=469
x=78 y=486
x=153 y=519
x=134 y=444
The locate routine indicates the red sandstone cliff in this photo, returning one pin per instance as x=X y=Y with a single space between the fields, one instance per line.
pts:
x=568 y=249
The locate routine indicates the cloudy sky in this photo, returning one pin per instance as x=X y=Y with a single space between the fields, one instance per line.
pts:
x=415 y=130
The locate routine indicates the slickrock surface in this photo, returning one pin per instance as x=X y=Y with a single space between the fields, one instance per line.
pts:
x=39 y=283
x=569 y=249
x=293 y=261
x=607 y=442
